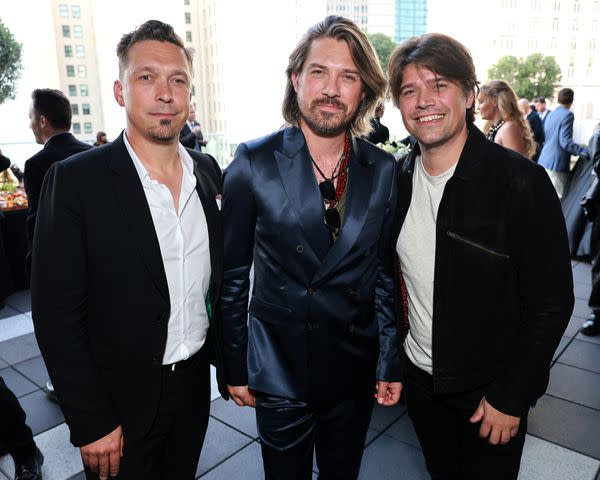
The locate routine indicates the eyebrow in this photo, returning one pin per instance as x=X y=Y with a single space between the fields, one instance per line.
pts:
x=429 y=82
x=345 y=70
x=148 y=68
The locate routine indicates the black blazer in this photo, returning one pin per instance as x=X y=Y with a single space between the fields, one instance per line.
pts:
x=100 y=298
x=58 y=147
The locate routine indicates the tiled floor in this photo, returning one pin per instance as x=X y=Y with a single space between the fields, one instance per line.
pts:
x=564 y=429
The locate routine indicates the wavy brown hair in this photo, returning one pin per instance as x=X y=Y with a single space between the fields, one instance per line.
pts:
x=508 y=105
x=364 y=56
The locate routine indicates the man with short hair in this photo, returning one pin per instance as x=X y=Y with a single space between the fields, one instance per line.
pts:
x=191 y=134
x=485 y=289
x=50 y=120
x=559 y=145
x=540 y=107
x=127 y=264
x=308 y=206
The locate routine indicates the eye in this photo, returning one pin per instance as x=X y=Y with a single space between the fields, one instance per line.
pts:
x=317 y=72
x=407 y=92
x=440 y=85
x=145 y=76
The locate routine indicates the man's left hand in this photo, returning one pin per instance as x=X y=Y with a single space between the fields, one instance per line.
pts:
x=388 y=393
x=496 y=426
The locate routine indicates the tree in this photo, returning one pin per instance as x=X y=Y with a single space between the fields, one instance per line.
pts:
x=535 y=76
x=384 y=46
x=10 y=64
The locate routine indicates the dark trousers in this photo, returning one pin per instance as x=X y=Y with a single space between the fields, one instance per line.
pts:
x=171 y=449
x=594 y=302
x=15 y=435
x=450 y=443
x=290 y=430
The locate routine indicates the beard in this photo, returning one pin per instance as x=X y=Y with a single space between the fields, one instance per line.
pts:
x=327 y=124
x=164 y=133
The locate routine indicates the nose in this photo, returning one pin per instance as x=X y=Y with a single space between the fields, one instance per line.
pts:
x=330 y=86
x=425 y=98
x=163 y=91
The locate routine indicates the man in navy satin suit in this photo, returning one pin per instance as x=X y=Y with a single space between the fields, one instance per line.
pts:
x=310 y=207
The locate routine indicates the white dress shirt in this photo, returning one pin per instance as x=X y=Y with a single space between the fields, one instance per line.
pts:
x=184 y=248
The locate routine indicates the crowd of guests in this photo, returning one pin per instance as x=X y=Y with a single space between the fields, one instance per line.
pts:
x=371 y=278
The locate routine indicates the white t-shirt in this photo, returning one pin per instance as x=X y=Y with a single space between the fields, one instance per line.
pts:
x=416 y=250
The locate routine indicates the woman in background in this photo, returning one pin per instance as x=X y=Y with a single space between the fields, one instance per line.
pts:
x=505 y=124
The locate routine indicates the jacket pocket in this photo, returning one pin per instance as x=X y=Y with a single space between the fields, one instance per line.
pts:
x=268 y=312
x=473 y=244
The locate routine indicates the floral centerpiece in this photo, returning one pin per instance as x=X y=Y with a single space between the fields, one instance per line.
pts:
x=398 y=149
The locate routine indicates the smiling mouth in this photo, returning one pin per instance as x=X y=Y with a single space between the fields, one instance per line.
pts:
x=429 y=118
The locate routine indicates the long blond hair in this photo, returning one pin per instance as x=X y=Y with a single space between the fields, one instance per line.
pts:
x=509 y=111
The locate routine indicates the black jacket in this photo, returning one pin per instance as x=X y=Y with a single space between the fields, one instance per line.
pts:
x=503 y=288
x=100 y=298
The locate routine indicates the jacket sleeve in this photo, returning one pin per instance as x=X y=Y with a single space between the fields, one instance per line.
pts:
x=388 y=366
x=239 y=219
x=32 y=178
x=566 y=136
x=545 y=288
x=59 y=305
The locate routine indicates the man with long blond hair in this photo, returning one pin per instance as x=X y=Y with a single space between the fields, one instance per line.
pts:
x=308 y=206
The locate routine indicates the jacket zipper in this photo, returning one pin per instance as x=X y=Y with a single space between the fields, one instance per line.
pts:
x=476 y=245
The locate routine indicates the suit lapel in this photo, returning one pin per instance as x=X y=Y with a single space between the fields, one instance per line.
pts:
x=358 y=193
x=207 y=189
x=298 y=179
x=132 y=199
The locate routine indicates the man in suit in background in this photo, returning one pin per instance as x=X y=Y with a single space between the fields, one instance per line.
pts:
x=191 y=133
x=540 y=108
x=127 y=265
x=559 y=145
x=50 y=121
x=535 y=124
x=308 y=207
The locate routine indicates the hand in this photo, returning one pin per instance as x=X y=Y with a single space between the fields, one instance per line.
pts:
x=242 y=396
x=387 y=393
x=496 y=426
x=197 y=130
x=104 y=455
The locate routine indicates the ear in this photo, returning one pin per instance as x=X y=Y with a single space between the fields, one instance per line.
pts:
x=470 y=99
x=43 y=121
x=118 y=92
x=295 y=81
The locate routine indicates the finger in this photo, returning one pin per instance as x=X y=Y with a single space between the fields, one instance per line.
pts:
x=505 y=436
x=494 y=436
x=103 y=465
x=382 y=390
x=93 y=462
x=250 y=400
x=484 y=430
x=122 y=444
x=478 y=414
x=114 y=459
x=238 y=401
x=514 y=430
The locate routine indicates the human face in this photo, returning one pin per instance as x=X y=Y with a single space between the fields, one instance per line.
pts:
x=433 y=108
x=35 y=123
x=329 y=88
x=488 y=107
x=155 y=91
x=192 y=115
x=540 y=107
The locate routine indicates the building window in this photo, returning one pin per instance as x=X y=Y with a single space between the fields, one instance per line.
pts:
x=188 y=17
x=72 y=90
x=70 y=71
x=81 y=71
x=188 y=36
x=186 y=2
x=75 y=11
x=68 y=51
x=83 y=90
x=77 y=128
x=77 y=31
x=74 y=108
x=80 y=51
x=85 y=108
x=63 y=10
x=66 y=31
x=87 y=127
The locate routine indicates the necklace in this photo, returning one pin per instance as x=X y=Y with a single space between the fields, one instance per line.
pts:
x=332 y=194
x=494 y=129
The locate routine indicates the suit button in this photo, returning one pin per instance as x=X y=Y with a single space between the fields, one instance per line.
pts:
x=160 y=318
x=309 y=326
x=367 y=252
x=353 y=292
x=156 y=361
x=312 y=290
x=351 y=328
x=299 y=248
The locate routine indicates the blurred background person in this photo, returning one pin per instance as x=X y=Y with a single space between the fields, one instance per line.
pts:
x=505 y=123
x=379 y=133
x=558 y=144
x=535 y=123
x=540 y=107
x=191 y=134
x=100 y=139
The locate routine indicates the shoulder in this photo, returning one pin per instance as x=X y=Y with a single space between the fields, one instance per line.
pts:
x=205 y=162
x=375 y=155
x=268 y=143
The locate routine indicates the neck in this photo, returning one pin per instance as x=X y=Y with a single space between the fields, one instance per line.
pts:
x=497 y=117
x=156 y=157
x=437 y=159
x=323 y=149
x=50 y=133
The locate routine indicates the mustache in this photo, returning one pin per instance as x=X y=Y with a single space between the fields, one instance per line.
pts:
x=329 y=101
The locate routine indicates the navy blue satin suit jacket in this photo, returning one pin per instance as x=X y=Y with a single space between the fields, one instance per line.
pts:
x=320 y=321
